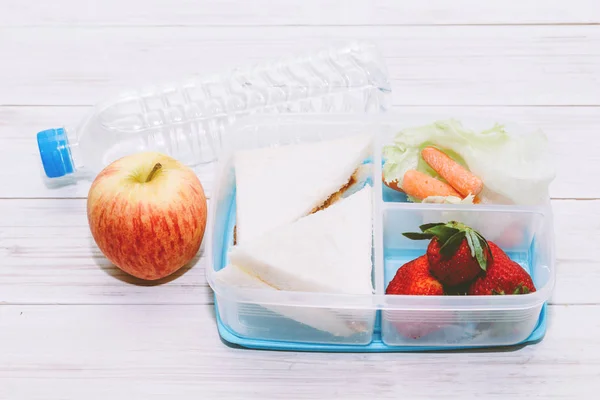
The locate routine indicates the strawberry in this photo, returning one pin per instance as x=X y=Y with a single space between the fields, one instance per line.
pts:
x=414 y=278
x=503 y=276
x=457 y=253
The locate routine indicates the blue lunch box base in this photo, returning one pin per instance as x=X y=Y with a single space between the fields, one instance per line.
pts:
x=376 y=346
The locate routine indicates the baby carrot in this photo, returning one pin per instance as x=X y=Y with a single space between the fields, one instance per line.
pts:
x=458 y=177
x=420 y=186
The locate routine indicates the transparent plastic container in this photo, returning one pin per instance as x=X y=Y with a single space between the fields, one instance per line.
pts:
x=269 y=318
x=187 y=120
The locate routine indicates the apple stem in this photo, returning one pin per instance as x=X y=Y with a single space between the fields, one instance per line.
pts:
x=157 y=166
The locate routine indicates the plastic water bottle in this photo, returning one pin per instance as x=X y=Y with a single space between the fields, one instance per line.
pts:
x=186 y=120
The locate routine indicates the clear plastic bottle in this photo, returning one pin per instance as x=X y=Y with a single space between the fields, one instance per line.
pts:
x=186 y=120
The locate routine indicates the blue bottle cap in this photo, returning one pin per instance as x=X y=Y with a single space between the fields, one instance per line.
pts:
x=55 y=153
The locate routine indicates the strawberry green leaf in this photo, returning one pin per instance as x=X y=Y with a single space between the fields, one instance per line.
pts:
x=478 y=247
x=417 y=235
x=424 y=227
x=442 y=232
x=521 y=289
x=451 y=245
x=487 y=253
x=458 y=225
x=471 y=243
x=481 y=238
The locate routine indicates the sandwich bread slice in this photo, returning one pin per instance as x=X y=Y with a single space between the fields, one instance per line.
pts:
x=321 y=319
x=278 y=185
x=328 y=251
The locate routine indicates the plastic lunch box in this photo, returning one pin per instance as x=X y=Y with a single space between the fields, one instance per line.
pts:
x=257 y=318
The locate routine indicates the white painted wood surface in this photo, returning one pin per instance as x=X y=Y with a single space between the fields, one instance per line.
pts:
x=295 y=12
x=429 y=65
x=172 y=352
x=72 y=326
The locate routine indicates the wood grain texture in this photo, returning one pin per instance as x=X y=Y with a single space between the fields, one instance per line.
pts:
x=568 y=129
x=448 y=65
x=294 y=12
x=152 y=352
x=48 y=256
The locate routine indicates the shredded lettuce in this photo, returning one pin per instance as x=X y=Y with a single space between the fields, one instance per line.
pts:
x=515 y=168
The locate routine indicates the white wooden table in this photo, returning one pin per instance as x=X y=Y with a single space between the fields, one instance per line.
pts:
x=74 y=327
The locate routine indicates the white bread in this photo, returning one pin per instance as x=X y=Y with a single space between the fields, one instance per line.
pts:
x=328 y=251
x=278 y=185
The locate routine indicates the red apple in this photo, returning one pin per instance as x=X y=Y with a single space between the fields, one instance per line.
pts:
x=147 y=214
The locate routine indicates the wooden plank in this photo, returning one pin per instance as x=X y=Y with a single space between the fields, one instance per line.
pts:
x=448 y=65
x=125 y=352
x=294 y=12
x=570 y=130
x=48 y=256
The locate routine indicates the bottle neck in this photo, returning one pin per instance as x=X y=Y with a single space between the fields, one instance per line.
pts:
x=74 y=149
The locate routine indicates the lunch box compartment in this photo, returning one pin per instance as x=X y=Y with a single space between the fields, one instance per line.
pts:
x=459 y=320
x=272 y=319
x=280 y=316
x=296 y=323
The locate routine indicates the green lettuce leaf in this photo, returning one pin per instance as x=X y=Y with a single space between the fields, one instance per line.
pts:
x=515 y=168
